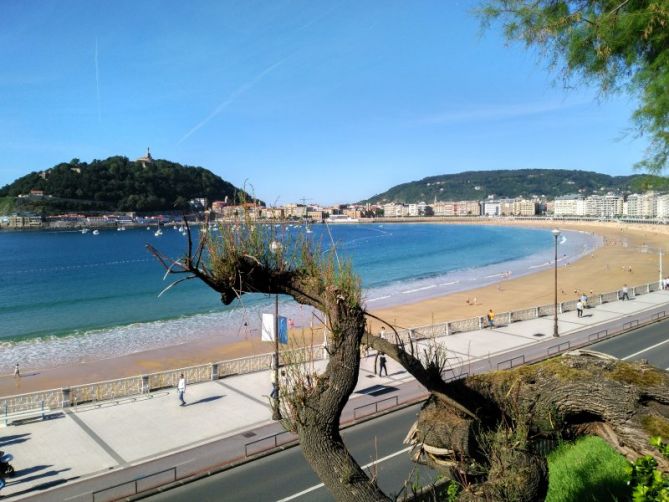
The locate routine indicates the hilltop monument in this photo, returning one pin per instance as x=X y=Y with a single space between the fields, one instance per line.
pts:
x=147 y=159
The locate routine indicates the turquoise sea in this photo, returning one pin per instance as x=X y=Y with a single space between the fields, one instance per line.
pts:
x=68 y=296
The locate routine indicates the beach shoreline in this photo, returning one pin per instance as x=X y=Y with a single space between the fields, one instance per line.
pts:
x=619 y=260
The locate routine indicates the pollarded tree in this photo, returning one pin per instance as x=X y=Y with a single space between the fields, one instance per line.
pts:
x=619 y=45
x=480 y=431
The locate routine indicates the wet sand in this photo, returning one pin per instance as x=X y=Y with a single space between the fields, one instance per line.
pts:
x=606 y=269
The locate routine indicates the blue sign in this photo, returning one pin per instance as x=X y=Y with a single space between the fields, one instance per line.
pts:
x=283 y=330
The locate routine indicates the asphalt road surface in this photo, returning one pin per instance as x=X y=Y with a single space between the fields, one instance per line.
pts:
x=376 y=444
x=650 y=343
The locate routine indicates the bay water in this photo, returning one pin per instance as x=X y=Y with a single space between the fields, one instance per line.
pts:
x=67 y=297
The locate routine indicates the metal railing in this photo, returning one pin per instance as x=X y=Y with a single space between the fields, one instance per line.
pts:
x=273 y=439
x=376 y=404
x=135 y=486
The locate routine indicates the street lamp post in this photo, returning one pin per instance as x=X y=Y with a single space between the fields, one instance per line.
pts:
x=275 y=247
x=556 y=234
x=276 y=410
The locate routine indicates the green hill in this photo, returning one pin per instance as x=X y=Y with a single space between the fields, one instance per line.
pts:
x=117 y=184
x=478 y=185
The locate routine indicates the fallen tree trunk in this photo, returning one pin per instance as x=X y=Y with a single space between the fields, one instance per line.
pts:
x=498 y=454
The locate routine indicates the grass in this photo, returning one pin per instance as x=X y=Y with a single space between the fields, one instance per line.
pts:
x=587 y=470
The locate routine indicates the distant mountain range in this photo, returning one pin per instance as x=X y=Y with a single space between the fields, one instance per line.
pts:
x=116 y=184
x=551 y=183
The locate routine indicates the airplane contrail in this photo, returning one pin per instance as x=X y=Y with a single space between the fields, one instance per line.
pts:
x=233 y=97
x=97 y=80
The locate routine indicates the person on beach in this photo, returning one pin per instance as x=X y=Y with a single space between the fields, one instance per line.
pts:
x=579 y=308
x=625 y=293
x=382 y=364
x=491 y=318
x=382 y=334
x=181 y=389
x=17 y=372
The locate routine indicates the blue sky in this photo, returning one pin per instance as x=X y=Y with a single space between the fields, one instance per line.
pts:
x=329 y=101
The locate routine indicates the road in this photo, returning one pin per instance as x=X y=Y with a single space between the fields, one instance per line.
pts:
x=287 y=476
x=650 y=343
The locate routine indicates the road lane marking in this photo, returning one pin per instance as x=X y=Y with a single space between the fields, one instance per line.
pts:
x=644 y=350
x=316 y=487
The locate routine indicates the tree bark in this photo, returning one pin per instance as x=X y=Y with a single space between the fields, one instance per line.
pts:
x=499 y=453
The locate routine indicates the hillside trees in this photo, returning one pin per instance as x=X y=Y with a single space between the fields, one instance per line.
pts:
x=118 y=184
x=618 y=45
x=481 y=431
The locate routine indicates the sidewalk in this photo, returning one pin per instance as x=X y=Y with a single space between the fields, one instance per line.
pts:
x=92 y=448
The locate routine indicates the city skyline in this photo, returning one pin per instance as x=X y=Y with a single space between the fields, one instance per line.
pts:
x=280 y=97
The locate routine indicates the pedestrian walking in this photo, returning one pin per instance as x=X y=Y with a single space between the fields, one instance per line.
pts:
x=382 y=364
x=17 y=372
x=181 y=389
x=275 y=388
x=382 y=334
x=625 y=293
x=579 y=308
x=491 y=318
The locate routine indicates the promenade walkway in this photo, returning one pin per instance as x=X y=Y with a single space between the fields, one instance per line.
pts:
x=112 y=449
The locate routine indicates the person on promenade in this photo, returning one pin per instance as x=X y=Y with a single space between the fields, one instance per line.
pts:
x=181 y=389
x=584 y=300
x=579 y=308
x=625 y=293
x=382 y=334
x=382 y=364
x=17 y=372
x=491 y=318
x=275 y=388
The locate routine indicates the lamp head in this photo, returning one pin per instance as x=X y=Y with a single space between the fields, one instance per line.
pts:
x=555 y=232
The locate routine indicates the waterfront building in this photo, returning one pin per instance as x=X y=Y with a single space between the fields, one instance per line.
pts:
x=569 y=205
x=443 y=208
x=492 y=208
x=272 y=213
x=642 y=205
x=416 y=209
x=393 y=210
x=662 y=207
x=604 y=206
x=353 y=212
x=21 y=220
x=468 y=208
x=525 y=207
x=315 y=215
x=295 y=211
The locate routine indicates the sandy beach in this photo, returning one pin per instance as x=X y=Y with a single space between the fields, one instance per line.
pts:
x=621 y=260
